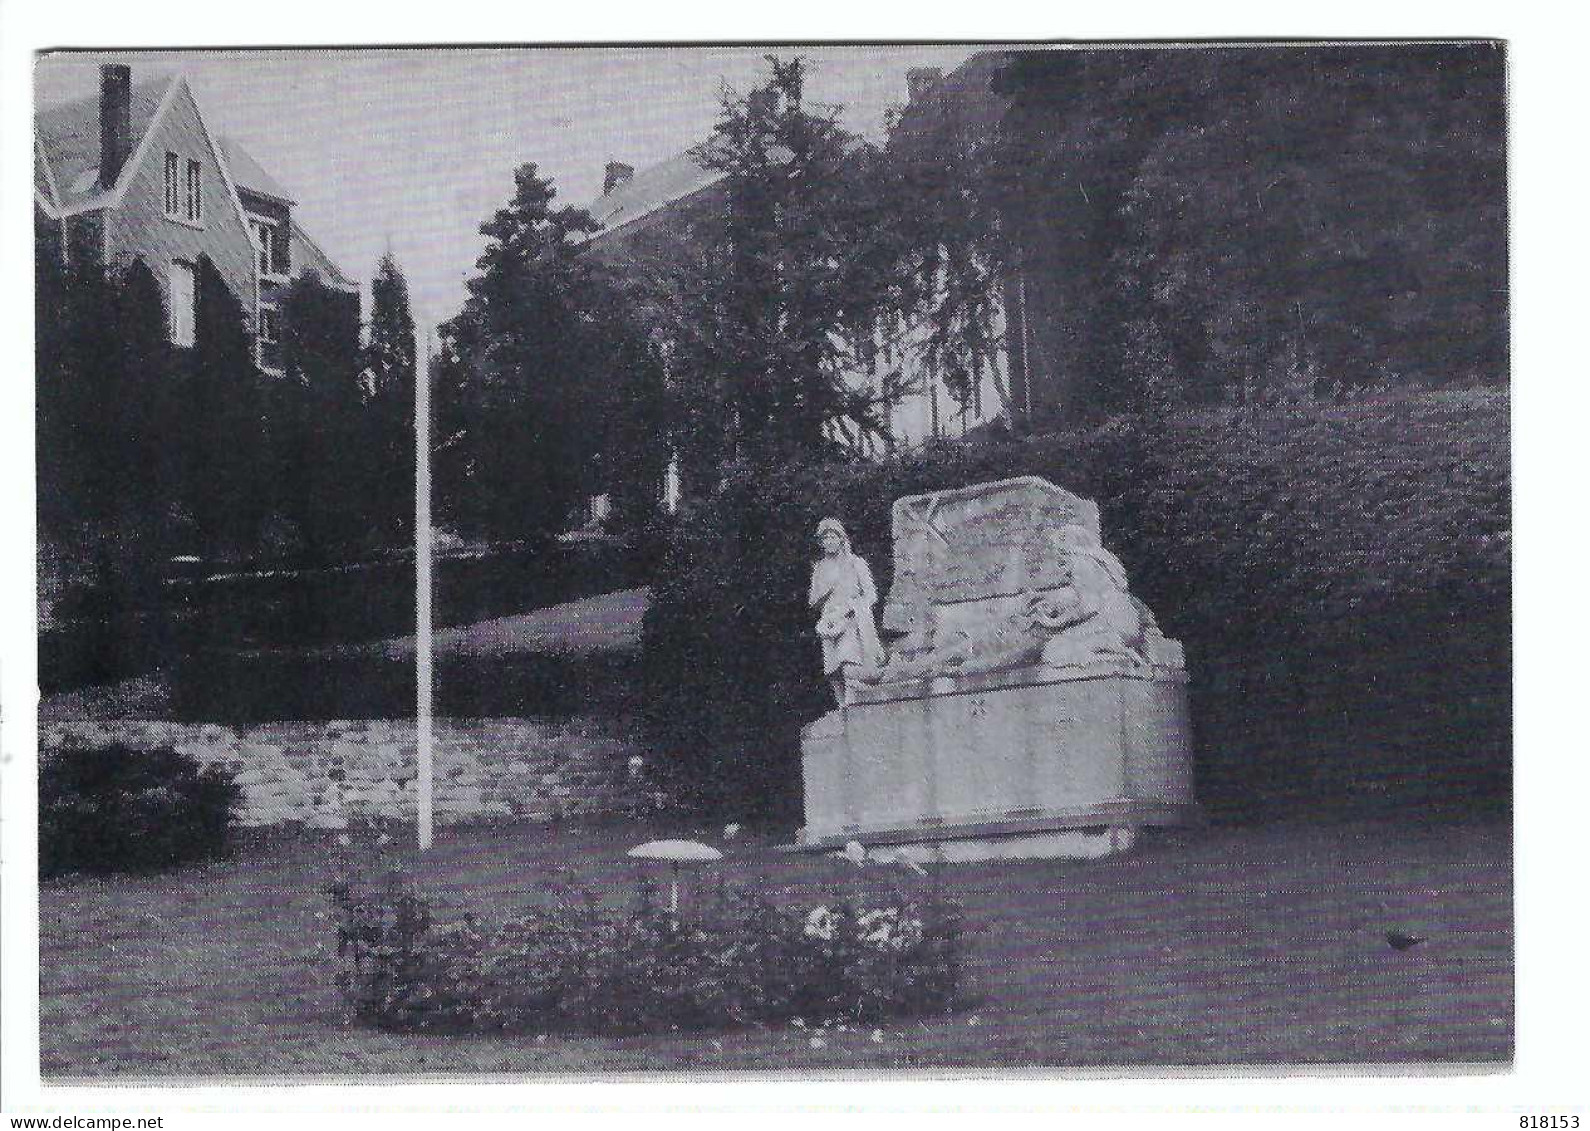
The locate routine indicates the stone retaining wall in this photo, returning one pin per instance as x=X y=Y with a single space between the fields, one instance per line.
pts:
x=323 y=774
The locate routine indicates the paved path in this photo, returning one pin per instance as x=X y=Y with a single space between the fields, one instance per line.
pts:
x=609 y=622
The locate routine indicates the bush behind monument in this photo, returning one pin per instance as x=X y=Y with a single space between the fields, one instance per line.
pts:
x=1339 y=574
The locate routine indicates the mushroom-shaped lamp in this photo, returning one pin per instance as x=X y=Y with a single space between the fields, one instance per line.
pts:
x=676 y=853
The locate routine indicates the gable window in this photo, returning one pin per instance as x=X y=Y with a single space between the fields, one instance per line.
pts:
x=181 y=298
x=193 y=202
x=173 y=203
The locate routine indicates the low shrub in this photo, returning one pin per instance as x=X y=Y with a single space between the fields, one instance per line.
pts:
x=1339 y=574
x=116 y=809
x=571 y=966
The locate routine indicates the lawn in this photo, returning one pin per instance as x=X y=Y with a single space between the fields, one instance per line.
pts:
x=1222 y=945
x=606 y=622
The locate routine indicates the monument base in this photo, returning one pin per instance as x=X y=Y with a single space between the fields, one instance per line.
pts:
x=1067 y=844
x=1031 y=762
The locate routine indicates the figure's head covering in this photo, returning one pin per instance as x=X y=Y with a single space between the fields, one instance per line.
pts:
x=833 y=526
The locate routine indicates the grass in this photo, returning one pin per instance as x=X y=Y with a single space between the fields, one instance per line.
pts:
x=604 y=625
x=1258 y=945
x=606 y=622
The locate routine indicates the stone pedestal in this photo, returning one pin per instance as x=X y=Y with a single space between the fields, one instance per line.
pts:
x=994 y=766
x=1029 y=704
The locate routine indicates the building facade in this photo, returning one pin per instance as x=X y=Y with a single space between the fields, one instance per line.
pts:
x=641 y=210
x=136 y=174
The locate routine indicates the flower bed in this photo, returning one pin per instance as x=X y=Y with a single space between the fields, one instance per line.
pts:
x=571 y=966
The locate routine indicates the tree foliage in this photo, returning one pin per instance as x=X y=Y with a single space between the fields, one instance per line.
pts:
x=780 y=310
x=389 y=355
x=545 y=390
x=147 y=450
x=223 y=432
x=1227 y=223
x=320 y=339
x=795 y=290
x=326 y=471
x=954 y=246
x=386 y=425
x=77 y=318
x=105 y=472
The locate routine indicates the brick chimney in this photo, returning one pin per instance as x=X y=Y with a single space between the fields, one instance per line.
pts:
x=920 y=80
x=115 y=121
x=617 y=174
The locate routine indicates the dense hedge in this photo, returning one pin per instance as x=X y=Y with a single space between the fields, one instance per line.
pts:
x=104 y=632
x=90 y=650
x=116 y=809
x=369 y=601
x=1340 y=576
x=243 y=688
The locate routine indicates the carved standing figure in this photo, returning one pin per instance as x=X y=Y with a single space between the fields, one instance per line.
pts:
x=843 y=591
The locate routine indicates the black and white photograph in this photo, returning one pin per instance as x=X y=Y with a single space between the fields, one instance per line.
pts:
x=817 y=560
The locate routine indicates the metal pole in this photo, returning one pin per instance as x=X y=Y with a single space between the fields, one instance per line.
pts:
x=1026 y=348
x=422 y=585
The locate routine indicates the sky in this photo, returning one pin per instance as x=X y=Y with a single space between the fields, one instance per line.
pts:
x=412 y=149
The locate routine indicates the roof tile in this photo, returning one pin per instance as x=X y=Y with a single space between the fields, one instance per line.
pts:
x=650 y=189
x=70 y=136
x=248 y=174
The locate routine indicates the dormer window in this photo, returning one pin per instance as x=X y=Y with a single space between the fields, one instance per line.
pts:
x=264 y=244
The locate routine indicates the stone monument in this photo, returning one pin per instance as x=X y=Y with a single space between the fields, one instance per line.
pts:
x=1028 y=705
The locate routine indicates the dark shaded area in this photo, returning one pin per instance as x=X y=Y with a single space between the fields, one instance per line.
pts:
x=242 y=688
x=116 y=809
x=1188 y=226
x=200 y=626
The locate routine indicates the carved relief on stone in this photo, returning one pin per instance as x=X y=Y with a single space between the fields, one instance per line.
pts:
x=1114 y=627
x=1016 y=640
x=1006 y=575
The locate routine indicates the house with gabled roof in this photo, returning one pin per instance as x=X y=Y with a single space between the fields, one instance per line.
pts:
x=136 y=174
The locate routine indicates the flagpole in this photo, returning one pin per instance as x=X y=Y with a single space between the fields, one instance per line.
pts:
x=422 y=587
